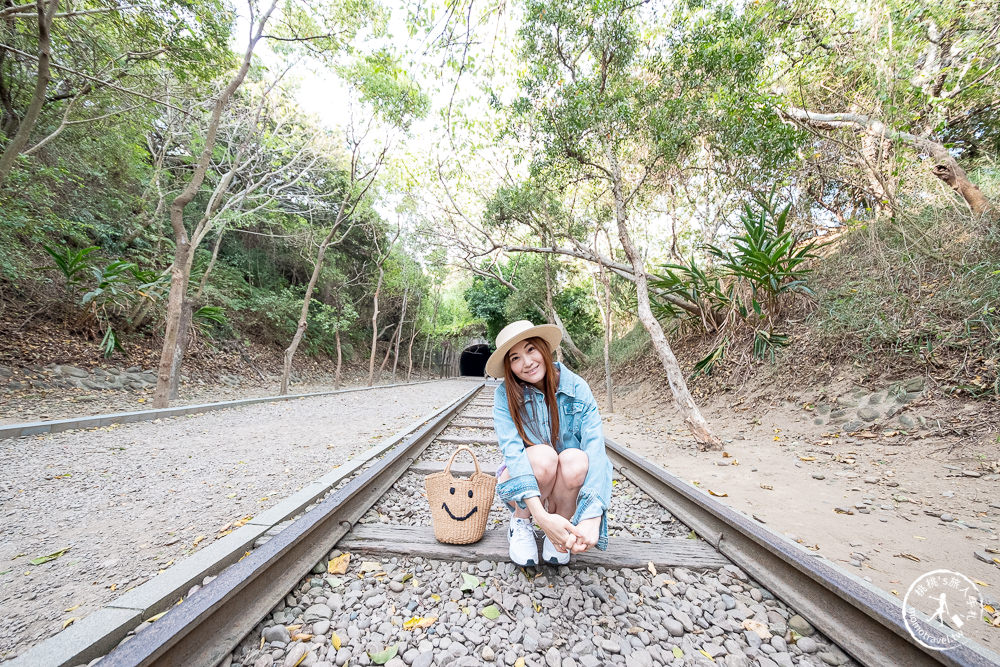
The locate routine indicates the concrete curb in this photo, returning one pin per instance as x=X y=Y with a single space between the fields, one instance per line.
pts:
x=55 y=426
x=99 y=632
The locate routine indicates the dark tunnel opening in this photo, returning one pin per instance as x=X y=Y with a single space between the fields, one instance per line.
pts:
x=473 y=360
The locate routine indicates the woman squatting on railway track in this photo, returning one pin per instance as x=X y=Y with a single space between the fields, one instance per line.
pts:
x=555 y=469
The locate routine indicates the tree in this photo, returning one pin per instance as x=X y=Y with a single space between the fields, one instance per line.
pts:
x=77 y=61
x=906 y=74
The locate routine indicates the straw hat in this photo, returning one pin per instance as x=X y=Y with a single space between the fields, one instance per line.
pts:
x=514 y=333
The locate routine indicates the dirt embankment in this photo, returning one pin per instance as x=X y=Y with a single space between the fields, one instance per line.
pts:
x=889 y=479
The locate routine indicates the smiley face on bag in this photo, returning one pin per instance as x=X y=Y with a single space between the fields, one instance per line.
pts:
x=460 y=497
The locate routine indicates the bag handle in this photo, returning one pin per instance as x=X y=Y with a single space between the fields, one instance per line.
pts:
x=458 y=449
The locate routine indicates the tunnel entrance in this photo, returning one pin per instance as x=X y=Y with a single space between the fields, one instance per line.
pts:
x=473 y=360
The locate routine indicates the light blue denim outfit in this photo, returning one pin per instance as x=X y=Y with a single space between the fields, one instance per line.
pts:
x=579 y=428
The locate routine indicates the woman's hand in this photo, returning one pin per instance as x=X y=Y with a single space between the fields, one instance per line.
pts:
x=588 y=530
x=560 y=531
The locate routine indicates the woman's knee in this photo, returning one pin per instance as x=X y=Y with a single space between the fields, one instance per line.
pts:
x=544 y=463
x=573 y=466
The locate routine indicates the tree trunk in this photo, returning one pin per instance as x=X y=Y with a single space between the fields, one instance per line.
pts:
x=605 y=308
x=181 y=272
x=409 y=349
x=371 y=357
x=427 y=341
x=27 y=124
x=388 y=351
x=340 y=359
x=399 y=335
x=675 y=377
x=211 y=263
x=550 y=315
x=300 y=329
x=945 y=166
x=183 y=339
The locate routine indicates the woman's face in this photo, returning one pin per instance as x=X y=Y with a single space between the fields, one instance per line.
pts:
x=527 y=363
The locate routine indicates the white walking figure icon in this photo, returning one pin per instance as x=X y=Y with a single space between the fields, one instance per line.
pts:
x=942 y=608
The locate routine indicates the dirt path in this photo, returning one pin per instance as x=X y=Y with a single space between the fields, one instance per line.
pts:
x=130 y=500
x=888 y=508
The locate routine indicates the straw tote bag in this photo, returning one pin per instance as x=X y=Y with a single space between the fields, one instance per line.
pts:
x=460 y=507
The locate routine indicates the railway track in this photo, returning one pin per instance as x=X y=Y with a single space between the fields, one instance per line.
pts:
x=685 y=581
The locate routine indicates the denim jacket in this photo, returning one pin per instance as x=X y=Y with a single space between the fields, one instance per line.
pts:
x=579 y=428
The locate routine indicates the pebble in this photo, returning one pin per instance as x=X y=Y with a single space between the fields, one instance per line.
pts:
x=947 y=518
x=488 y=654
x=818 y=475
x=800 y=625
x=807 y=645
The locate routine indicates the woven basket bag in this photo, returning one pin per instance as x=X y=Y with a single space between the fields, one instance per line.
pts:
x=459 y=506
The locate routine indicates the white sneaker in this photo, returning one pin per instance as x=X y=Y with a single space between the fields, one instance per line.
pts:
x=523 y=548
x=551 y=556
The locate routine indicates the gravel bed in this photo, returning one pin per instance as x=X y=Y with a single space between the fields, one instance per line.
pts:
x=442 y=451
x=634 y=513
x=561 y=617
x=129 y=500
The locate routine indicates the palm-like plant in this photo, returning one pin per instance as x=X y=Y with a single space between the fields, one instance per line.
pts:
x=767 y=257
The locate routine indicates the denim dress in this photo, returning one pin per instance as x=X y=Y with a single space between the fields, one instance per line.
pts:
x=579 y=428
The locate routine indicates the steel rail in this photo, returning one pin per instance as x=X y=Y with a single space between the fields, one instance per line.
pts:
x=93 y=421
x=206 y=627
x=862 y=620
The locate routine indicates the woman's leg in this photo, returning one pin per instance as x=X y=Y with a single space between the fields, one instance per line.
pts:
x=544 y=464
x=570 y=475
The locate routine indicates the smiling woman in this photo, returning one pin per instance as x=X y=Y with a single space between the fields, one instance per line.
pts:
x=555 y=468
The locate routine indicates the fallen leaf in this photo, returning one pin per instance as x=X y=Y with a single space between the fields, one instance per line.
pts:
x=491 y=612
x=419 y=622
x=335 y=640
x=756 y=626
x=917 y=537
x=46 y=559
x=301 y=637
x=197 y=541
x=990 y=608
x=292 y=629
x=910 y=556
x=678 y=653
x=537 y=607
x=5 y=572
x=718 y=495
x=301 y=659
x=334 y=582
x=339 y=564
x=154 y=619
x=980 y=583
x=69 y=621
x=71 y=608
x=807 y=458
x=767 y=487
x=382 y=657
x=519 y=662
x=369 y=566
x=113 y=587
x=435 y=597
x=651 y=568
x=469 y=582
x=725 y=455
x=706 y=654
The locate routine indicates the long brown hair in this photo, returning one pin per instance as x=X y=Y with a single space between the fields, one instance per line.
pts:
x=515 y=393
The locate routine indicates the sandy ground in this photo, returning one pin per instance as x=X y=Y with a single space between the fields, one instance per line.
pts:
x=127 y=501
x=795 y=476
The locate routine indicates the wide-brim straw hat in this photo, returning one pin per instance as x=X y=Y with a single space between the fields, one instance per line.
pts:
x=514 y=333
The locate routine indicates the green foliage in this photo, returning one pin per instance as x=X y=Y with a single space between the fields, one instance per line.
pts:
x=705 y=365
x=767 y=257
x=390 y=91
x=487 y=299
x=72 y=263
